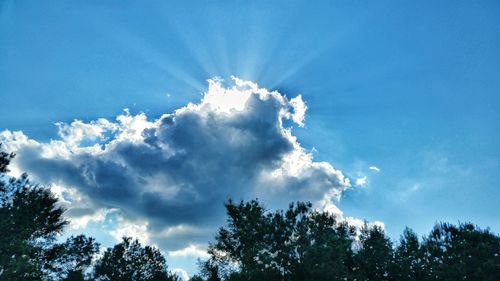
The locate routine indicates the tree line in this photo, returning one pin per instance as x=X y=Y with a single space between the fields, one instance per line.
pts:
x=303 y=244
x=296 y=244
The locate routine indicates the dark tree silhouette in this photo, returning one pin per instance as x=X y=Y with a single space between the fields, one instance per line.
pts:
x=73 y=257
x=196 y=278
x=29 y=219
x=462 y=252
x=210 y=269
x=5 y=160
x=409 y=258
x=129 y=261
x=298 y=244
x=374 y=259
x=304 y=244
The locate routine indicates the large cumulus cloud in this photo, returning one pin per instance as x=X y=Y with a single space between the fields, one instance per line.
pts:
x=173 y=174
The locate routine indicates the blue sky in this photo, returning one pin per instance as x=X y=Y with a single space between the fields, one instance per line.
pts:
x=409 y=87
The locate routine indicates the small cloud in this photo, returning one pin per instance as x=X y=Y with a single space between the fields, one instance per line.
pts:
x=414 y=187
x=374 y=168
x=82 y=220
x=191 y=250
x=180 y=230
x=299 y=108
x=135 y=230
x=181 y=273
x=361 y=181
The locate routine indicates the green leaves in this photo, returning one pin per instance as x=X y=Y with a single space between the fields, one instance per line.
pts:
x=307 y=245
x=374 y=259
x=298 y=244
x=29 y=219
x=463 y=252
x=129 y=261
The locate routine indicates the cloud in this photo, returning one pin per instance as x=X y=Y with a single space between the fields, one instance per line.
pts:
x=197 y=251
x=173 y=173
x=374 y=168
x=181 y=273
x=126 y=228
x=299 y=108
x=361 y=181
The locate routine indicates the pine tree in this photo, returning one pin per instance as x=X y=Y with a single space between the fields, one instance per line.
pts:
x=73 y=257
x=409 y=258
x=462 y=253
x=373 y=261
x=30 y=219
x=296 y=245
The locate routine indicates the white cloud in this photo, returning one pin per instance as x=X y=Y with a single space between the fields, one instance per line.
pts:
x=76 y=132
x=136 y=230
x=299 y=108
x=361 y=181
x=172 y=174
x=181 y=273
x=191 y=250
x=374 y=168
x=81 y=221
x=179 y=230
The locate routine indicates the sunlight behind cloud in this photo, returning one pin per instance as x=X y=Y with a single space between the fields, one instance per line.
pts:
x=166 y=179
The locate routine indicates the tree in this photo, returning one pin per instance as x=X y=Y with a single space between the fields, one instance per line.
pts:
x=129 y=261
x=30 y=220
x=196 y=278
x=298 y=244
x=374 y=259
x=73 y=257
x=409 y=258
x=465 y=252
x=243 y=241
x=5 y=160
x=323 y=247
x=210 y=269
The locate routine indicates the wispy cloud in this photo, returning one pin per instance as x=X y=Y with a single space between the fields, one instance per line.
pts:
x=181 y=273
x=191 y=250
x=361 y=181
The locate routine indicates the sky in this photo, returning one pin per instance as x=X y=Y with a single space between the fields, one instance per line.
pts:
x=144 y=117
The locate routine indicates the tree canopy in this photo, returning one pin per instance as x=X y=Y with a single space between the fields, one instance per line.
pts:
x=30 y=222
x=129 y=261
x=304 y=244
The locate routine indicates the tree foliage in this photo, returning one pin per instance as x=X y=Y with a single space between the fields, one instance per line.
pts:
x=409 y=258
x=303 y=244
x=462 y=252
x=129 y=261
x=297 y=244
x=31 y=220
x=373 y=260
